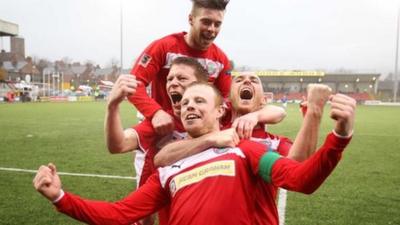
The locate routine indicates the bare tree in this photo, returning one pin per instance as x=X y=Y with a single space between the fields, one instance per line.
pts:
x=41 y=64
x=89 y=63
x=114 y=62
x=67 y=60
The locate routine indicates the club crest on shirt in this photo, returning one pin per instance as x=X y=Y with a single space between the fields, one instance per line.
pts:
x=212 y=68
x=145 y=60
x=220 y=150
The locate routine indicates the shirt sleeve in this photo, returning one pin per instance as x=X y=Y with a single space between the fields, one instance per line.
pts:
x=224 y=79
x=254 y=152
x=146 y=200
x=307 y=176
x=146 y=135
x=147 y=139
x=146 y=69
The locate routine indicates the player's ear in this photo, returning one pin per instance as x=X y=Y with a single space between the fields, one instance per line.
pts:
x=190 y=19
x=221 y=111
x=264 y=100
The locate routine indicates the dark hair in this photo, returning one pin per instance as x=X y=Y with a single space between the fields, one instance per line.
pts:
x=200 y=72
x=210 y=4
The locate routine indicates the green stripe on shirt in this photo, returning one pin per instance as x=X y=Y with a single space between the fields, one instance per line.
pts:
x=266 y=163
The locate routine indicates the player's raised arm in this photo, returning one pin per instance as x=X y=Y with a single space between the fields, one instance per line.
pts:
x=148 y=199
x=343 y=112
x=146 y=69
x=307 y=176
x=306 y=139
x=118 y=140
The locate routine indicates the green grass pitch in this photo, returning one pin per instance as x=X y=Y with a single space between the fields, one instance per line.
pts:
x=364 y=188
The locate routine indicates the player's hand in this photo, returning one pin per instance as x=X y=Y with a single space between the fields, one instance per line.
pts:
x=47 y=182
x=244 y=125
x=225 y=138
x=125 y=85
x=162 y=122
x=303 y=106
x=318 y=95
x=343 y=111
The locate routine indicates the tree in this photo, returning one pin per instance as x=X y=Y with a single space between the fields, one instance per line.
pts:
x=114 y=62
x=41 y=64
x=67 y=60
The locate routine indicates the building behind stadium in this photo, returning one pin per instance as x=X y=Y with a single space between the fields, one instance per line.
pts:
x=292 y=85
x=28 y=78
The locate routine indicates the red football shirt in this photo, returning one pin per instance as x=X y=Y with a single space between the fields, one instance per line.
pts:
x=211 y=187
x=154 y=63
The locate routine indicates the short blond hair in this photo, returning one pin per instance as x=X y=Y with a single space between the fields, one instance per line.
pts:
x=219 y=100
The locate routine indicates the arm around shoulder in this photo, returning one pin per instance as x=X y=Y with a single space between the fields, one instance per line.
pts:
x=178 y=150
x=271 y=114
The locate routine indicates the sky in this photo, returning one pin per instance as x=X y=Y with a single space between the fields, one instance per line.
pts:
x=356 y=35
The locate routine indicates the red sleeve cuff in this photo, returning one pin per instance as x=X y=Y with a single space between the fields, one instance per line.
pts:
x=61 y=202
x=337 y=142
x=149 y=115
x=60 y=196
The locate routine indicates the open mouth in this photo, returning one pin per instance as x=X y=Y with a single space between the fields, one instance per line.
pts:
x=246 y=94
x=176 y=98
x=208 y=37
x=192 y=117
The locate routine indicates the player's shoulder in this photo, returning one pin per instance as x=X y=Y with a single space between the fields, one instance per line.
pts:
x=171 y=39
x=218 y=51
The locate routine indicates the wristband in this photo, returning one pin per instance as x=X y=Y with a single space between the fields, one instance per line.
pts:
x=60 y=196
x=341 y=136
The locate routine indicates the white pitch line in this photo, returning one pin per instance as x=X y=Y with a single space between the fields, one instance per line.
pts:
x=282 y=205
x=70 y=174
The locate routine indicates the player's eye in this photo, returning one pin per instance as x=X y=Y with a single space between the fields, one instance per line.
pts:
x=206 y=22
x=200 y=100
x=254 y=80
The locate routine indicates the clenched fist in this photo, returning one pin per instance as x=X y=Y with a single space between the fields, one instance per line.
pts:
x=47 y=182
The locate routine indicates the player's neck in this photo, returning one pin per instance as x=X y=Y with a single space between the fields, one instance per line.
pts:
x=237 y=114
x=192 y=44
